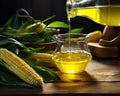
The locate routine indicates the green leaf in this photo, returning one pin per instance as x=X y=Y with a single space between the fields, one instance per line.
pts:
x=11 y=80
x=6 y=40
x=49 y=18
x=14 y=41
x=7 y=24
x=10 y=32
x=11 y=44
x=76 y=30
x=29 y=51
x=48 y=35
x=47 y=74
x=7 y=78
x=15 y=23
x=24 y=25
x=36 y=25
x=58 y=24
x=3 y=42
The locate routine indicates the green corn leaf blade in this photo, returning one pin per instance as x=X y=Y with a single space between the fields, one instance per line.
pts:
x=10 y=32
x=29 y=50
x=3 y=42
x=3 y=66
x=76 y=30
x=37 y=21
x=39 y=62
x=26 y=52
x=11 y=44
x=11 y=80
x=24 y=25
x=14 y=41
x=40 y=40
x=7 y=78
x=47 y=74
x=58 y=24
x=15 y=23
x=7 y=24
x=6 y=40
x=47 y=19
x=48 y=35
x=34 y=27
x=32 y=38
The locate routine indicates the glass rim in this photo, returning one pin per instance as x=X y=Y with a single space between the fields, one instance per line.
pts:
x=70 y=36
x=65 y=34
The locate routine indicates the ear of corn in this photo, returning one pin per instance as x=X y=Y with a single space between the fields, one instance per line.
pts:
x=43 y=56
x=94 y=36
x=20 y=68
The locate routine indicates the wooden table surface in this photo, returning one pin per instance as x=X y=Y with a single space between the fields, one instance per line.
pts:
x=102 y=77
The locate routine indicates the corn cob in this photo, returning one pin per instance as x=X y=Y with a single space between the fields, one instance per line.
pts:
x=43 y=56
x=20 y=68
x=39 y=28
x=94 y=36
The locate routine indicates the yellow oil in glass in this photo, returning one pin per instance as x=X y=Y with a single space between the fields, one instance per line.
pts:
x=105 y=15
x=72 y=62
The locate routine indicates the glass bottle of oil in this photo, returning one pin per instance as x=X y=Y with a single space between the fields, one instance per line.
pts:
x=72 y=54
x=105 y=12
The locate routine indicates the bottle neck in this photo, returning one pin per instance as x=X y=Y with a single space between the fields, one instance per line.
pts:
x=72 y=5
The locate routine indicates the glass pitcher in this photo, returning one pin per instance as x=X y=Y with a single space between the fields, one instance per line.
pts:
x=72 y=54
x=105 y=12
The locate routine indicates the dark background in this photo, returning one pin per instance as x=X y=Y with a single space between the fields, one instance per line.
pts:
x=41 y=9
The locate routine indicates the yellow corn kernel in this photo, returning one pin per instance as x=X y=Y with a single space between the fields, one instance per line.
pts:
x=43 y=56
x=94 y=36
x=20 y=68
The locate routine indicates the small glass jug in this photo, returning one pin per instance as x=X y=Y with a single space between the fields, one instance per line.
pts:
x=72 y=54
